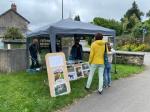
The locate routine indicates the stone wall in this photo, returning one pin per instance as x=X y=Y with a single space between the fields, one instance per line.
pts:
x=133 y=58
x=12 y=60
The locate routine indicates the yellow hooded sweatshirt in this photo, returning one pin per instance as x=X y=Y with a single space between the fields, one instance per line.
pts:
x=97 y=52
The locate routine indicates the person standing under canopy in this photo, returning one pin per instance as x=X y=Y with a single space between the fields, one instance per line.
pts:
x=76 y=51
x=33 y=48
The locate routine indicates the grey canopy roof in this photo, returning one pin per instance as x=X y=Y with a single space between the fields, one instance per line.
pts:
x=69 y=26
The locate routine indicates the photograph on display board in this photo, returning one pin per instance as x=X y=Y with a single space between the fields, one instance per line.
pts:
x=71 y=72
x=60 y=89
x=72 y=75
x=85 y=66
x=86 y=73
x=60 y=83
x=58 y=73
x=70 y=68
x=79 y=71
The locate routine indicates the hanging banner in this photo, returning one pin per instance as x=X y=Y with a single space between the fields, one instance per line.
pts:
x=57 y=74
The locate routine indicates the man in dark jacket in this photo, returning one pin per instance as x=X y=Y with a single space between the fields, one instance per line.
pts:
x=33 y=48
x=76 y=51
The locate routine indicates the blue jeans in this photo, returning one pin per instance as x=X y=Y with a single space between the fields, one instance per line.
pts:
x=93 y=67
x=107 y=75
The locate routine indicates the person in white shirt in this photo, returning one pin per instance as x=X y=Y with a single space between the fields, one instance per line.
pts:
x=107 y=70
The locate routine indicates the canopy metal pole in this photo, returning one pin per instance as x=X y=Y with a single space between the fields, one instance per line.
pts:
x=114 y=39
x=62 y=10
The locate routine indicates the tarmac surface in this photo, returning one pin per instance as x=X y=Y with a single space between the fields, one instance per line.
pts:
x=130 y=94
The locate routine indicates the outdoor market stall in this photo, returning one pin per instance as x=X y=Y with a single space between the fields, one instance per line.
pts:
x=65 y=28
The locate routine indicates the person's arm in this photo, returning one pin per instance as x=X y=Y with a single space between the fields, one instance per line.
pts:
x=113 y=51
x=91 y=54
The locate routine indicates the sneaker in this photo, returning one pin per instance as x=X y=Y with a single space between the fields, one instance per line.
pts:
x=87 y=89
x=100 y=92
x=109 y=85
x=104 y=86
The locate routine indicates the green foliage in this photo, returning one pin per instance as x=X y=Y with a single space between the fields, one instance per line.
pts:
x=140 y=48
x=13 y=33
x=138 y=29
x=148 y=14
x=112 y=24
x=131 y=18
x=129 y=70
x=24 y=92
x=129 y=23
x=135 y=47
x=134 y=10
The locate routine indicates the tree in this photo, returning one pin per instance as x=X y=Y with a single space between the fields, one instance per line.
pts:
x=112 y=24
x=77 y=18
x=131 y=18
x=148 y=14
x=138 y=29
x=13 y=33
x=129 y=23
x=134 y=10
x=125 y=23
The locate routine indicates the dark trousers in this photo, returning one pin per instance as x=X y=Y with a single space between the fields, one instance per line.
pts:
x=35 y=63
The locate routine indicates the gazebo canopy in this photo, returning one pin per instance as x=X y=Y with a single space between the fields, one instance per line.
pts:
x=69 y=27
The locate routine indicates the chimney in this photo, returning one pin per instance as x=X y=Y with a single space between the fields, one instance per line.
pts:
x=14 y=7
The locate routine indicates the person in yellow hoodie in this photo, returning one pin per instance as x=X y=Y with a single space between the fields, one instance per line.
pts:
x=96 y=60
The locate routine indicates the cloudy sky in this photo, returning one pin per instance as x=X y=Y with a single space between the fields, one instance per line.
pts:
x=41 y=12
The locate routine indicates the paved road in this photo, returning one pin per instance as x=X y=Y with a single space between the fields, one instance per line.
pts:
x=126 y=95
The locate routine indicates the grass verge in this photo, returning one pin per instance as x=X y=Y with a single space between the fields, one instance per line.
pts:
x=23 y=92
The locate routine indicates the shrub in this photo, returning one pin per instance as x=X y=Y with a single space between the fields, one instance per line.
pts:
x=140 y=47
x=135 y=47
x=13 y=33
x=147 y=48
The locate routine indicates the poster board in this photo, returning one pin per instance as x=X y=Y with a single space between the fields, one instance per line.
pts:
x=57 y=74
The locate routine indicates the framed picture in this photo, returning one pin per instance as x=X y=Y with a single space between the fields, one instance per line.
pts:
x=58 y=73
x=85 y=66
x=60 y=89
x=78 y=69
x=86 y=73
x=86 y=69
x=71 y=72
x=70 y=68
x=72 y=76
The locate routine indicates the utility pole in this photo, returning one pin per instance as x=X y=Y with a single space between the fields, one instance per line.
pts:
x=144 y=32
x=62 y=10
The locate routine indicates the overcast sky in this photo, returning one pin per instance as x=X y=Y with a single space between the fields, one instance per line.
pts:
x=41 y=12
